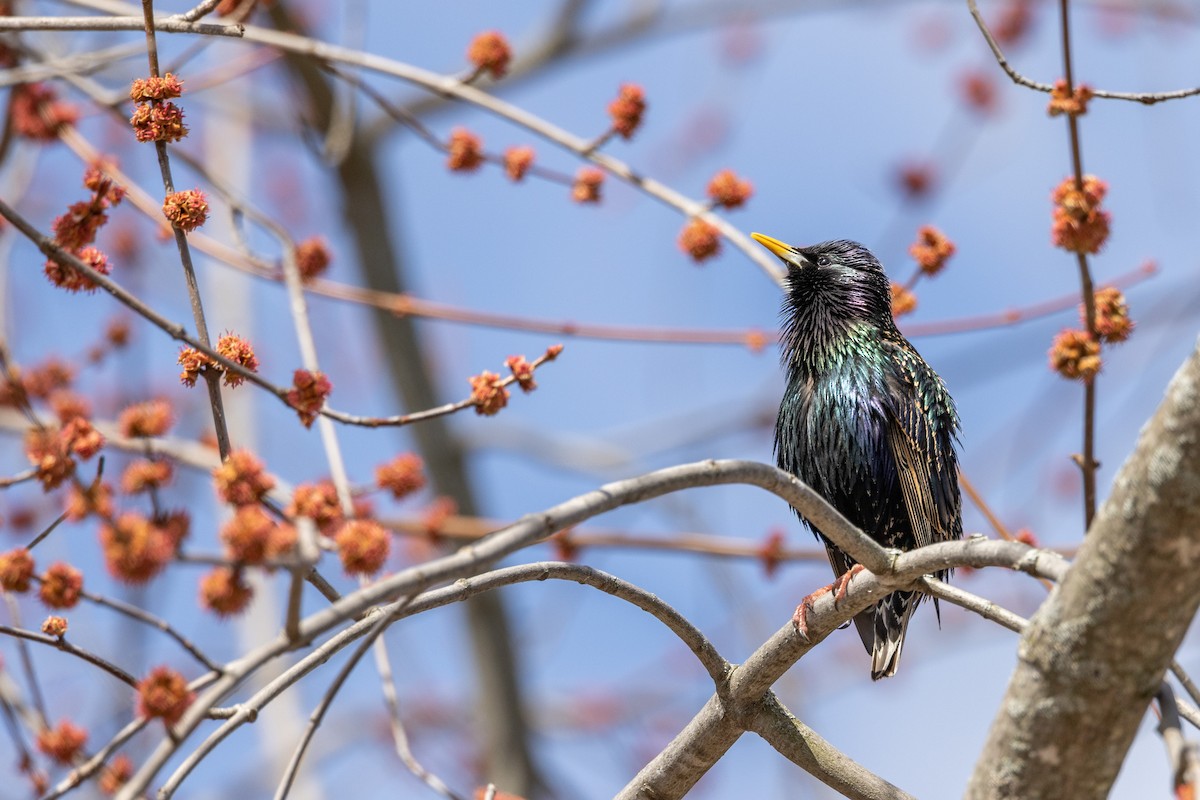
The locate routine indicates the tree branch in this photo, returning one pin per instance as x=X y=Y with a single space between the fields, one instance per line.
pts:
x=379 y=618
x=1096 y=652
x=1185 y=762
x=805 y=748
x=526 y=531
x=726 y=715
x=1146 y=98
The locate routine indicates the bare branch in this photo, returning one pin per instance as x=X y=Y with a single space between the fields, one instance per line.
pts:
x=381 y=623
x=1019 y=79
x=706 y=738
x=805 y=748
x=158 y=623
x=1098 y=648
x=1182 y=754
x=203 y=9
x=972 y=602
x=1185 y=681
x=211 y=379
x=399 y=733
x=172 y=24
x=459 y=591
x=60 y=643
x=52 y=250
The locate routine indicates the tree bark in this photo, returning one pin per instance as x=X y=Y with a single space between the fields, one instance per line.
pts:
x=1095 y=653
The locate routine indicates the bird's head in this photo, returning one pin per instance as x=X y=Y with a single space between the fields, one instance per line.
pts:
x=839 y=279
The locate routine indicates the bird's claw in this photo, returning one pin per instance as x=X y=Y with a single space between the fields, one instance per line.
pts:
x=800 y=618
x=839 y=587
x=842 y=583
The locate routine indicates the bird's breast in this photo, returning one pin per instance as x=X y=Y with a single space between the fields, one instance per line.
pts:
x=831 y=430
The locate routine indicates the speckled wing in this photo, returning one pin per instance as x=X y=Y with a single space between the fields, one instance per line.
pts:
x=921 y=429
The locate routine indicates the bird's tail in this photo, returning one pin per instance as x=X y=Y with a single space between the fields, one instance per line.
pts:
x=891 y=621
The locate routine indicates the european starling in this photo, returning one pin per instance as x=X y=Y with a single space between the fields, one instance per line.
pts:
x=864 y=421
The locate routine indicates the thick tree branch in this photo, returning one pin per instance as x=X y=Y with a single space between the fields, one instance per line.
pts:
x=1094 y=655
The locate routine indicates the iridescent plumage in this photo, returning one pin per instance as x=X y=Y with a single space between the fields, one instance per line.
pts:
x=864 y=420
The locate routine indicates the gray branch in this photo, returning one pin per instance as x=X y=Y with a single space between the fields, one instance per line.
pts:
x=806 y=749
x=739 y=705
x=1095 y=654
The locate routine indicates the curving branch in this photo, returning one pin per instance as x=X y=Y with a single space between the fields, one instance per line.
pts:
x=530 y=529
x=374 y=623
x=722 y=720
x=177 y=331
x=61 y=643
x=1146 y=98
x=742 y=701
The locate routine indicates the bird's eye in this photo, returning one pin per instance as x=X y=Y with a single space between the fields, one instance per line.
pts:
x=824 y=261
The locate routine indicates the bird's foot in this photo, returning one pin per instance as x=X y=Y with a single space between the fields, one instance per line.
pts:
x=842 y=583
x=800 y=618
x=839 y=587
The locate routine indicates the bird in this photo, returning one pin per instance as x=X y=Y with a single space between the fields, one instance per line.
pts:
x=865 y=422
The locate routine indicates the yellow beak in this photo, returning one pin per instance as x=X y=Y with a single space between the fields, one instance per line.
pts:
x=777 y=247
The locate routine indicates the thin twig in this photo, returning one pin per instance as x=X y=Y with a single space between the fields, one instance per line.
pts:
x=52 y=250
x=1185 y=681
x=973 y=602
x=60 y=643
x=177 y=331
x=371 y=638
x=450 y=86
x=66 y=66
x=35 y=688
x=10 y=709
x=982 y=505
x=211 y=379
x=202 y=10
x=1018 y=315
x=396 y=723
x=1182 y=754
x=146 y=618
x=307 y=551
x=19 y=478
x=42 y=534
x=1021 y=80
x=379 y=624
x=407 y=304
x=975 y=497
x=1087 y=460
